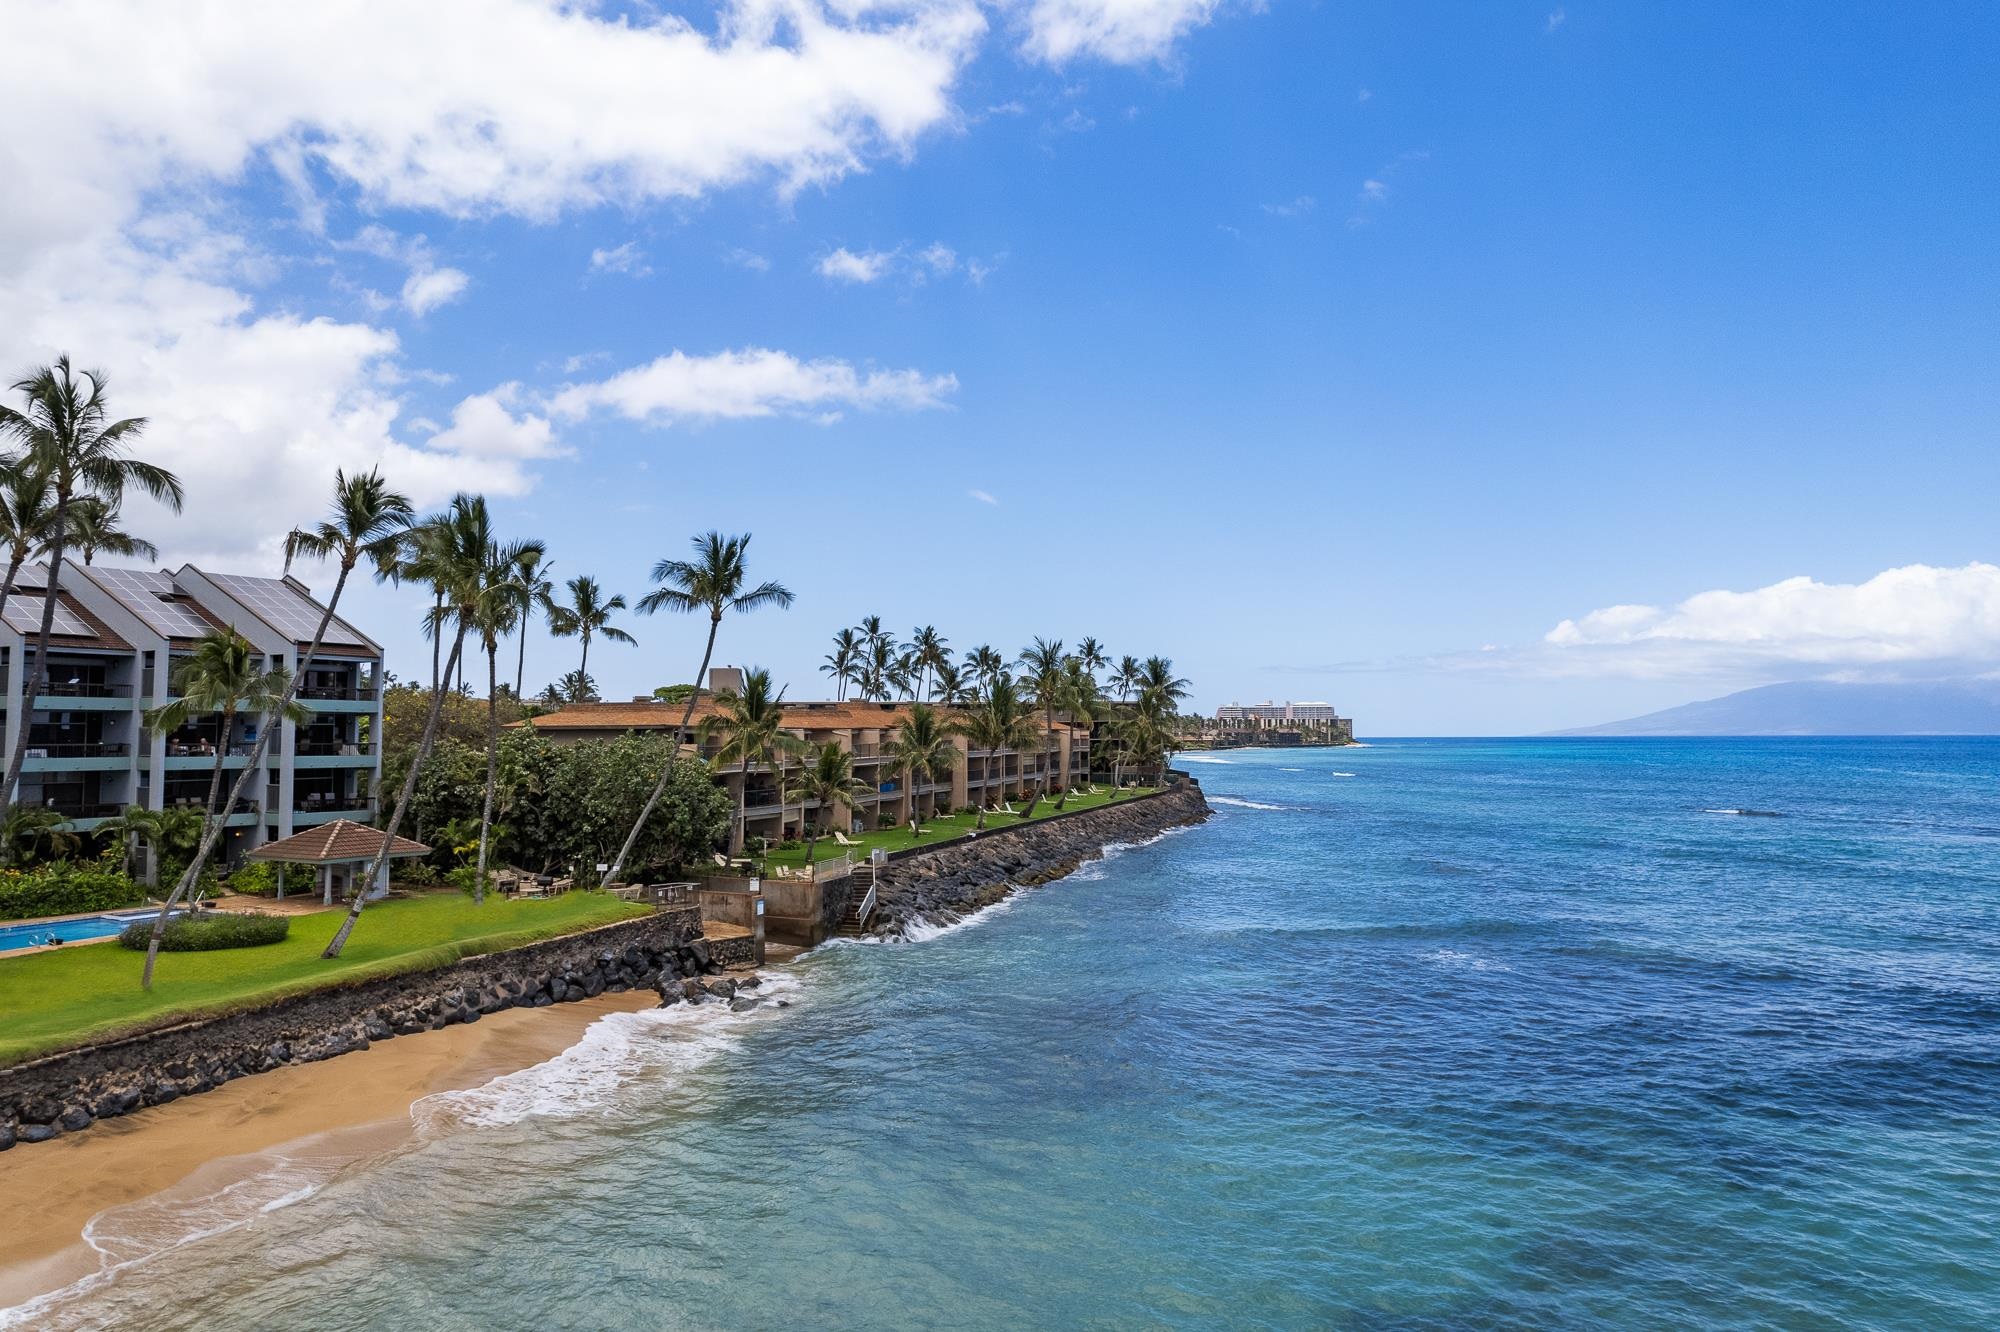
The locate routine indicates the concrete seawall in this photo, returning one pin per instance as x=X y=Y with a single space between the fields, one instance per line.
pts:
x=68 y=1091
x=967 y=874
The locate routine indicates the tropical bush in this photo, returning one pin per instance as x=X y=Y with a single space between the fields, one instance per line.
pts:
x=202 y=934
x=65 y=887
x=259 y=878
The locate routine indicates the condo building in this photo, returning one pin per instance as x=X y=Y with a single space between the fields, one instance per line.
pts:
x=867 y=730
x=1277 y=712
x=118 y=638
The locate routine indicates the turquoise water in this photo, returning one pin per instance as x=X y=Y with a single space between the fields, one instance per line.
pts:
x=1420 y=1035
x=69 y=931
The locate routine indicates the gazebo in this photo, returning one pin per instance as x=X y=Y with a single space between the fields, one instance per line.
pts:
x=337 y=851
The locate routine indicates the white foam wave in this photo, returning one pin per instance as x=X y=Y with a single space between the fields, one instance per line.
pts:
x=1340 y=774
x=128 y=1236
x=1202 y=758
x=1291 y=770
x=923 y=931
x=1722 y=811
x=1451 y=957
x=1239 y=803
x=615 y=1050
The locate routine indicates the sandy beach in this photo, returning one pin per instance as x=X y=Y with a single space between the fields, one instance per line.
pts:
x=333 y=1112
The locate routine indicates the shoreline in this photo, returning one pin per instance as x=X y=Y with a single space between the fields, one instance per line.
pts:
x=334 y=1112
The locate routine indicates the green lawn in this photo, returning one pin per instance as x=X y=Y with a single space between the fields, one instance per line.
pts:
x=944 y=829
x=53 y=999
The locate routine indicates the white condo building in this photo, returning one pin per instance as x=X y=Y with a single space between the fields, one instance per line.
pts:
x=118 y=638
x=1277 y=712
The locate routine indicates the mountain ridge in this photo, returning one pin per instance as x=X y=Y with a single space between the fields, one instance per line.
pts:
x=1819 y=707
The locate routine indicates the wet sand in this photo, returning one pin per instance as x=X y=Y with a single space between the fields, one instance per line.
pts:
x=335 y=1111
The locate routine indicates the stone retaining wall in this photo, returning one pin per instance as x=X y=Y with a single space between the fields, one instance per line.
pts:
x=969 y=873
x=69 y=1091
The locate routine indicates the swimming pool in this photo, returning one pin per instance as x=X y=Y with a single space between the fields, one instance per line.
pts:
x=91 y=928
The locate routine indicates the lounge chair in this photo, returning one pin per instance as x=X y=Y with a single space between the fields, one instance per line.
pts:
x=721 y=861
x=841 y=838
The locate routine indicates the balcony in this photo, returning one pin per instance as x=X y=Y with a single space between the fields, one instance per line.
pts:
x=334 y=754
x=81 y=696
x=338 y=693
x=75 y=756
x=84 y=814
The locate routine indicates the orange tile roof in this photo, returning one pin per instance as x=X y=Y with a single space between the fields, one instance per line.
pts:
x=335 y=842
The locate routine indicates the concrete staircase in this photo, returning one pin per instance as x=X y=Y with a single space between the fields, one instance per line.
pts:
x=861 y=906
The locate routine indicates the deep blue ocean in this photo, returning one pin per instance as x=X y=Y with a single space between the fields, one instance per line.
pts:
x=1424 y=1034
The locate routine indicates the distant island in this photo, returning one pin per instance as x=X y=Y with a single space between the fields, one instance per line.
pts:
x=1942 y=707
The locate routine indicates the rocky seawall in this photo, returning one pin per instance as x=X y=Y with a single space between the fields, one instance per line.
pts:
x=67 y=1092
x=966 y=875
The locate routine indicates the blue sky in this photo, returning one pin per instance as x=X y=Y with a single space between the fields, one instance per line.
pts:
x=1337 y=351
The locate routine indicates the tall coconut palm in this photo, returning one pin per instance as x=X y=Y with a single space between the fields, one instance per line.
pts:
x=1091 y=653
x=927 y=650
x=68 y=435
x=367 y=521
x=587 y=615
x=950 y=688
x=1042 y=669
x=501 y=601
x=225 y=676
x=26 y=830
x=25 y=518
x=922 y=749
x=986 y=665
x=448 y=552
x=712 y=581
x=998 y=722
x=827 y=781
x=94 y=530
x=843 y=662
x=1158 y=683
x=1125 y=678
x=534 y=591
x=1080 y=700
x=751 y=722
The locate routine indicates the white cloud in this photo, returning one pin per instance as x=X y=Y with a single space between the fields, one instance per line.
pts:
x=750 y=259
x=1556 y=19
x=984 y=497
x=938 y=257
x=1363 y=94
x=1298 y=207
x=1910 y=616
x=476 y=107
x=628 y=259
x=427 y=289
x=752 y=382
x=843 y=265
x=1122 y=32
x=1373 y=192
x=486 y=425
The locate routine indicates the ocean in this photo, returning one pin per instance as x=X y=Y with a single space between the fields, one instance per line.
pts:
x=1423 y=1034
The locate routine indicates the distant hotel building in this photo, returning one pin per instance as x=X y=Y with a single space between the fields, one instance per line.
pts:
x=1268 y=712
x=119 y=637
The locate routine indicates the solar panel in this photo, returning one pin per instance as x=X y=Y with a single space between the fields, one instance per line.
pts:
x=24 y=615
x=279 y=605
x=140 y=591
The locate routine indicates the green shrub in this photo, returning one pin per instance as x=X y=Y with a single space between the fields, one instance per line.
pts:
x=201 y=934
x=259 y=878
x=65 y=887
x=417 y=873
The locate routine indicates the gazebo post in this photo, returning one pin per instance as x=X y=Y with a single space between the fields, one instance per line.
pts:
x=326 y=883
x=281 y=881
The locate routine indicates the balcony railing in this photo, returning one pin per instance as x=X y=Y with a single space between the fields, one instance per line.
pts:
x=80 y=689
x=334 y=748
x=77 y=809
x=314 y=802
x=73 y=749
x=339 y=693
x=243 y=806
x=206 y=749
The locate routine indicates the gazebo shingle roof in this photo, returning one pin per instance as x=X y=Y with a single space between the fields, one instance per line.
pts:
x=342 y=840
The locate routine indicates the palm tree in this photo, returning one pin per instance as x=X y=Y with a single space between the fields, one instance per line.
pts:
x=24 y=519
x=1158 y=682
x=928 y=652
x=1042 y=665
x=94 y=531
x=752 y=723
x=1091 y=653
x=25 y=828
x=924 y=751
x=1080 y=701
x=226 y=676
x=843 y=661
x=586 y=615
x=501 y=601
x=448 y=552
x=827 y=781
x=712 y=581
x=951 y=688
x=68 y=436
x=998 y=723
x=986 y=665
x=1125 y=678
x=534 y=591
x=162 y=830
